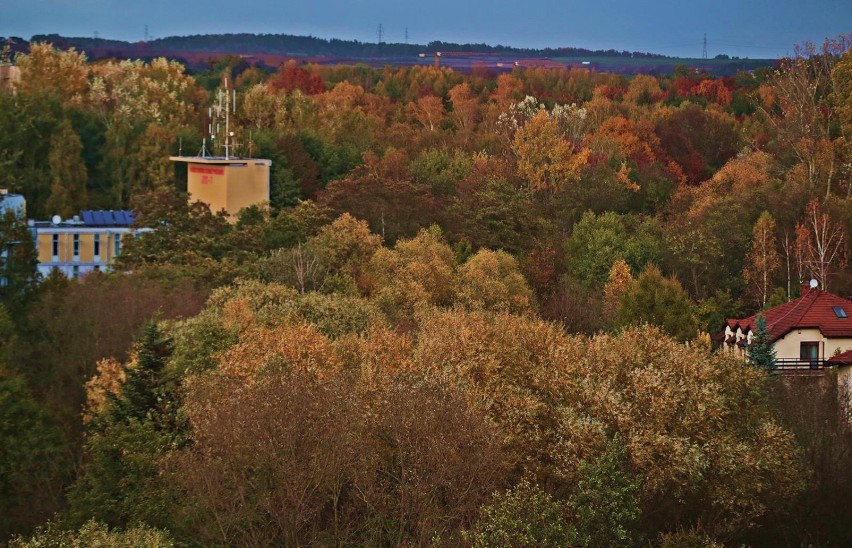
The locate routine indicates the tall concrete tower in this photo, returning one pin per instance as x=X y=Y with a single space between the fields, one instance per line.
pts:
x=227 y=183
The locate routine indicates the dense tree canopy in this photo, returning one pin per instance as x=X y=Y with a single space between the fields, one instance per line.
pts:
x=474 y=311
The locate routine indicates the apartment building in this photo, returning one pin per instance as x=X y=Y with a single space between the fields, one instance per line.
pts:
x=90 y=241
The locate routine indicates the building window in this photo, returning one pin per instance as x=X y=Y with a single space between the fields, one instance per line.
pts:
x=76 y=247
x=839 y=311
x=117 y=245
x=809 y=352
x=75 y=271
x=96 y=244
x=56 y=247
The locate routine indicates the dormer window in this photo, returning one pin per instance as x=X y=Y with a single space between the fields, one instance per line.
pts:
x=839 y=311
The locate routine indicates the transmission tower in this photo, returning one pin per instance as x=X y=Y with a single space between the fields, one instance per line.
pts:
x=704 y=51
x=406 y=35
x=146 y=33
x=380 y=33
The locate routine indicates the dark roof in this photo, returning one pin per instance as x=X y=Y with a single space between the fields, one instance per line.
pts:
x=840 y=359
x=119 y=217
x=814 y=309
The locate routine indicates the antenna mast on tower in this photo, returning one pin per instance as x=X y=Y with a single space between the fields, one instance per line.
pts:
x=704 y=52
x=226 y=106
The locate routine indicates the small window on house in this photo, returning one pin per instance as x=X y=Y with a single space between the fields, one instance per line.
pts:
x=97 y=245
x=76 y=246
x=809 y=351
x=116 y=245
x=55 y=247
x=839 y=311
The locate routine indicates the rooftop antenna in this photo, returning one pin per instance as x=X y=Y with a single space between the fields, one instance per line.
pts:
x=226 y=105
x=227 y=118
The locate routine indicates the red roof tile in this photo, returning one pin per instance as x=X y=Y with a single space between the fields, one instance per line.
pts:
x=841 y=359
x=814 y=309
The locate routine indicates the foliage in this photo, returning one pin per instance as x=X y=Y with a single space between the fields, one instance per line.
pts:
x=378 y=320
x=546 y=160
x=34 y=460
x=660 y=301
x=818 y=415
x=17 y=264
x=440 y=170
x=141 y=397
x=761 y=350
x=492 y=280
x=524 y=516
x=606 y=502
x=619 y=280
x=699 y=454
x=762 y=260
x=419 y=271
x=599 y=241
x=121 y=481
x=67 y=172
x=822 y=243
x=349 y=459
x=93 y=533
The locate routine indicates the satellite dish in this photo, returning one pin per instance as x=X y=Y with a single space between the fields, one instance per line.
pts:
x=56 y=219
x=814 y=283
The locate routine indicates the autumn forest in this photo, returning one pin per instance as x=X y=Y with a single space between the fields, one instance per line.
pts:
x=476 y=311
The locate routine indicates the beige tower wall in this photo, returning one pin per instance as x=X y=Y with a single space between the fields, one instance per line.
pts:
x=247 y=185
x=208 y=184
x=227 y=184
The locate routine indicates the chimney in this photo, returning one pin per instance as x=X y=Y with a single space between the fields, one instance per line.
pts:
x=805 y=288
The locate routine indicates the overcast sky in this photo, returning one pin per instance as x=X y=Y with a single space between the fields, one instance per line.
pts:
x=746 y=28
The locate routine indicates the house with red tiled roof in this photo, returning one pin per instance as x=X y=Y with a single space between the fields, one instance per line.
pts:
x=840 y=360
x=805 y=332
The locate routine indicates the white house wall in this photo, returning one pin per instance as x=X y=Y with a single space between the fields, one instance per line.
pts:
x=789 y=346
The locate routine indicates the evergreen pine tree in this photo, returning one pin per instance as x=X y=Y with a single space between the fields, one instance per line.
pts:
x=761 y=351
x=141 y=392
x=121 y=481
x=18 y=264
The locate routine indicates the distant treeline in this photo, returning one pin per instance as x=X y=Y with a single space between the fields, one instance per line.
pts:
x=286 y=44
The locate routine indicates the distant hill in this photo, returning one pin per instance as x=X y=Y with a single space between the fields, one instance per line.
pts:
x=309 y=46
x=272 y=49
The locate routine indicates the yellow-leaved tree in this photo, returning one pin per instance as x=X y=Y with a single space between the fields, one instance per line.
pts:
x=546 y=159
